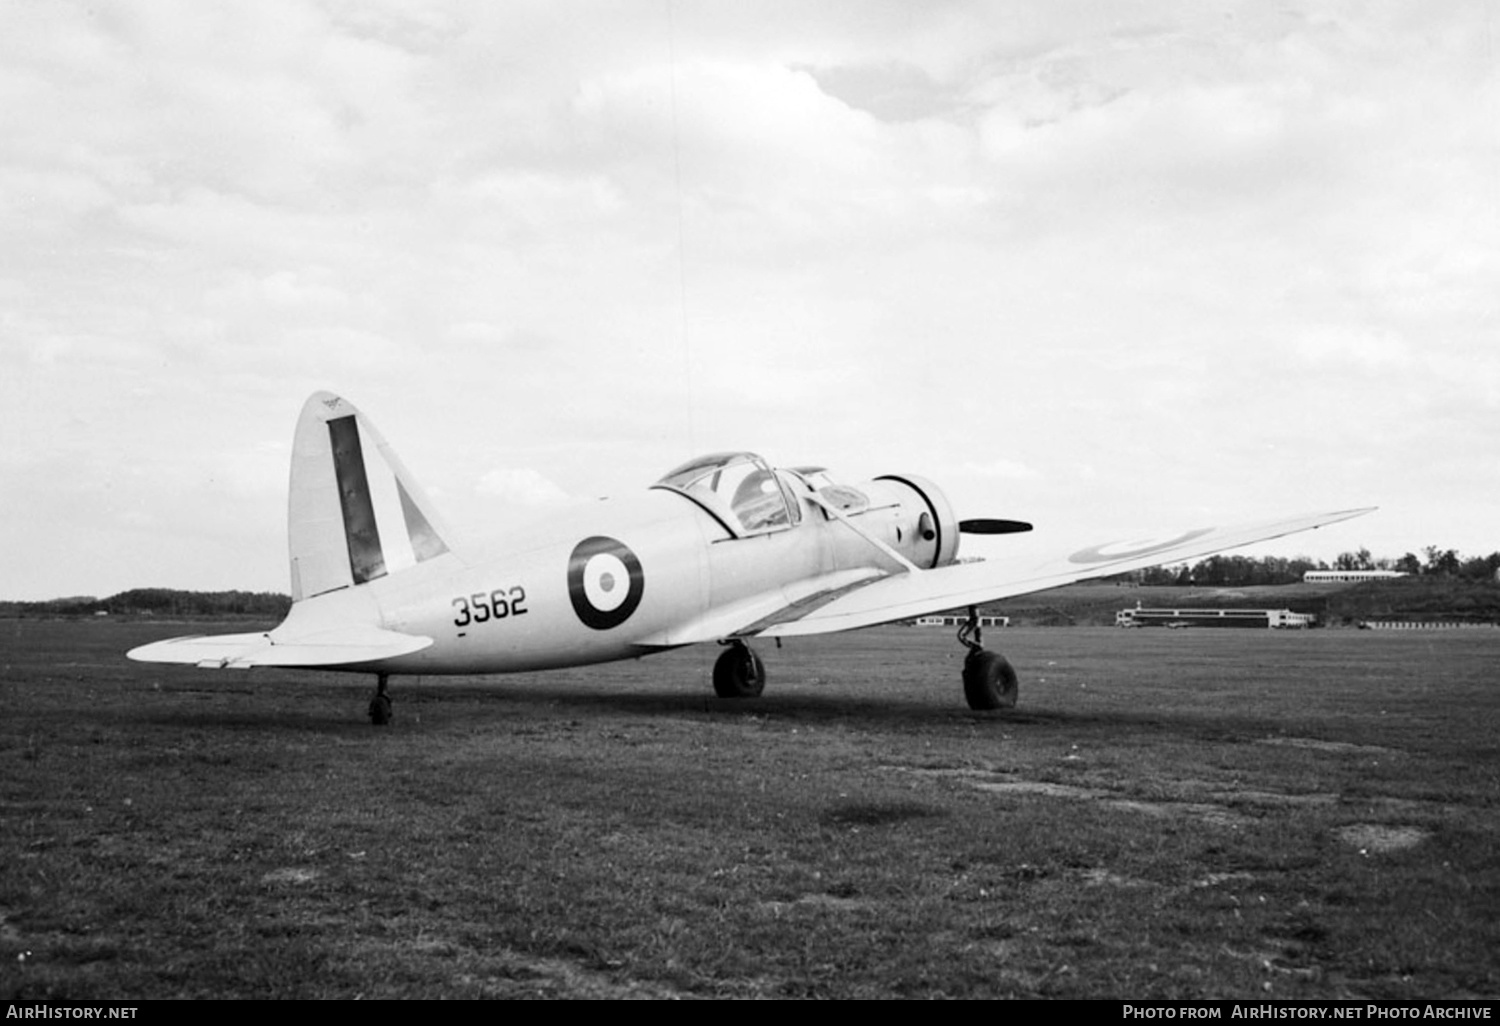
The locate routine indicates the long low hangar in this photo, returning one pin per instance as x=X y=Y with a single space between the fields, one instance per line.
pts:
x=952 y=620
x=1275 y=619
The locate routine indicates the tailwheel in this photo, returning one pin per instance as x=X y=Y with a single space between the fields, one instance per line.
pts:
x=739 y=673
x=990 y=681
x=380 y=705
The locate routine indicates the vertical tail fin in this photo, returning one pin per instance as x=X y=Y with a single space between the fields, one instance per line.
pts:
x=354 y=514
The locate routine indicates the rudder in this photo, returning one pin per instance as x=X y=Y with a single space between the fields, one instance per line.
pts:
x=354 y=512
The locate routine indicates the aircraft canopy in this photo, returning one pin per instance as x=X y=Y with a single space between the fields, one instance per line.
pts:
x=739 y=488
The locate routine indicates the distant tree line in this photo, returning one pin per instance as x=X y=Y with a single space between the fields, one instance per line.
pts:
x=1221 y=571
x=1244 y=571
x=166 y=602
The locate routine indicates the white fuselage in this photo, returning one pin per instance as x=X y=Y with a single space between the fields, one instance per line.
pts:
x=526 y=607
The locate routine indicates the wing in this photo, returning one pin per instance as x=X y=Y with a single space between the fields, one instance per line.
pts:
x=748 y=617
x=335 y=647
x=902 y=596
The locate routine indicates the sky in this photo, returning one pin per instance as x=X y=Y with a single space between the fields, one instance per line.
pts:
x=1109 y=267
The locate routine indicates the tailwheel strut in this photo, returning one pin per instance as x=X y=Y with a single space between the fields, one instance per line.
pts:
x=989 y=680
x=380 y=705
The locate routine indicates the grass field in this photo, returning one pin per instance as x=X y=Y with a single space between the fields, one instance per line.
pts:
x=1168 y=814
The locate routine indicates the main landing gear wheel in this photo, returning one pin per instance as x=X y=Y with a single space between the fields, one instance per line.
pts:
x=380 y=705
x=989 y=680
x=739 y=673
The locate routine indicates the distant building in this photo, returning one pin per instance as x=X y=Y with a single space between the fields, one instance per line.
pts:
x=1321 y=576
x=1275 y=619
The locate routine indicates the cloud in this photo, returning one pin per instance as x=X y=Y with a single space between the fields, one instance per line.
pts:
x=521 y=486
x=1003 y=469
x=596 y=238
x=1340 y=350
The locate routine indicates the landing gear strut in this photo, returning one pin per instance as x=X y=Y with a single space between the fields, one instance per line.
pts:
x=739 y=673
x=380 y=705
x=989 y=680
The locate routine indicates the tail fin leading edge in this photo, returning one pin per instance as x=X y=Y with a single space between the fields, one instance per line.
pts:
x=354 y=514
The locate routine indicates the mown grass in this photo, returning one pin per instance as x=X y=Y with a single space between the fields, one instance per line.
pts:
x=1168 y=814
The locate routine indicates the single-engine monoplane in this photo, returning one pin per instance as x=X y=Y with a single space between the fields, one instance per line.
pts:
x=725 y=548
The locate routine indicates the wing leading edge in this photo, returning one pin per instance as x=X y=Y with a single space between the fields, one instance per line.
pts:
x=907 y=595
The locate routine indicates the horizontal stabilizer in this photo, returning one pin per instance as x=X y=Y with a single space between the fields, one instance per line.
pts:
x=339 y=646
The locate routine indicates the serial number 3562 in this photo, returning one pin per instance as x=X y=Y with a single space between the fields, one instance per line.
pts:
x=497 y=605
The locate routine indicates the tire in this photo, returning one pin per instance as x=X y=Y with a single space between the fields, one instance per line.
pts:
x=989 y=681
x=380 y=710
x=739 y=673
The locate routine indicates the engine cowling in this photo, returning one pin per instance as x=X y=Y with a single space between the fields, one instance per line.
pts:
x=926 y=529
